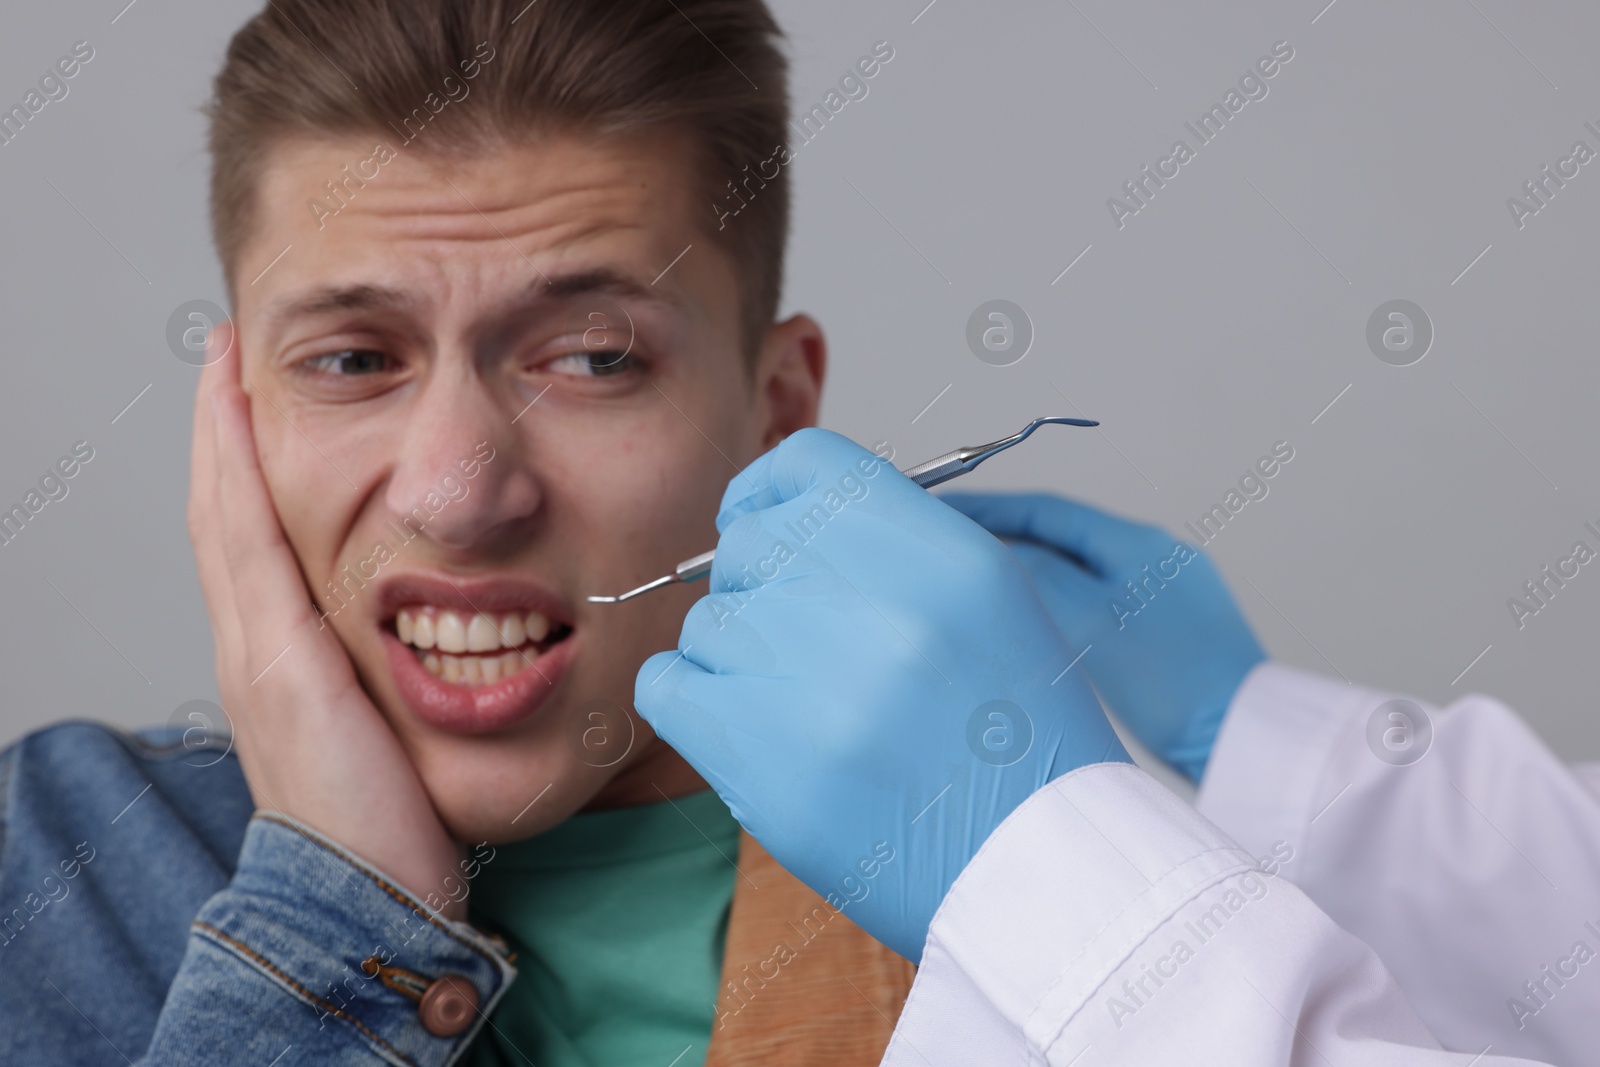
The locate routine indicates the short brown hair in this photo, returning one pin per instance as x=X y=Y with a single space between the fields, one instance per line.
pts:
x=334 y=68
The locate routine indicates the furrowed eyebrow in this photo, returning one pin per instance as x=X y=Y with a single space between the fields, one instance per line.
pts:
x=560 y=293
x=326 y=299
x=600 y=280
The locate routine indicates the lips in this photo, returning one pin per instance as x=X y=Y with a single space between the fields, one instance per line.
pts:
x=474 y=655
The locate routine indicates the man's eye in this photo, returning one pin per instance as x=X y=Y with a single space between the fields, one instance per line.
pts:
x=351 y=361
x=600 y=364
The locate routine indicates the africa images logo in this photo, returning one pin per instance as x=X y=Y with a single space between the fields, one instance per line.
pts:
x=1142 y=189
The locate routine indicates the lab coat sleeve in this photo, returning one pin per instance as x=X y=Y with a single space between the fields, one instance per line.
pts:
x=1107 y=922
x=1452 y=841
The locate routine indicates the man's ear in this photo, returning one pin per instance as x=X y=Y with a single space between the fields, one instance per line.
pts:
x=789 y=372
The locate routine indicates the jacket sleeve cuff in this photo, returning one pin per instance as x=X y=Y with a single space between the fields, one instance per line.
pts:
x=311 y=946
x=1263 y=783
x=1081 y=874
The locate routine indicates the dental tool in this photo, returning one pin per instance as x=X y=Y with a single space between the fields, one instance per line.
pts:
x=934 y=472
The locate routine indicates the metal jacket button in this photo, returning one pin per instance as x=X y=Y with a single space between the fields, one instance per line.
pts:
x=448 y=1006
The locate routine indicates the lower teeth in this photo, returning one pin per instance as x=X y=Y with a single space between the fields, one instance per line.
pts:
x=473 y=670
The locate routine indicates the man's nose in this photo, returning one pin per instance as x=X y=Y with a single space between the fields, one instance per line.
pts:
x=459 y=474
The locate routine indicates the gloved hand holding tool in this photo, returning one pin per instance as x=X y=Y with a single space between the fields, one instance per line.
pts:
x=872 y=684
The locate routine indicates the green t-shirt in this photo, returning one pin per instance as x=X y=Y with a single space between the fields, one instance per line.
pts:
x=618 y=919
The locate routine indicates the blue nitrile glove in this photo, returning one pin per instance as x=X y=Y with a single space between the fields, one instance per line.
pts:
x=871 y=685
x=1168 y=652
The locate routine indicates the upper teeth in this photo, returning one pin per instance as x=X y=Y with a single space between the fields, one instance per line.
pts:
x=451 y=631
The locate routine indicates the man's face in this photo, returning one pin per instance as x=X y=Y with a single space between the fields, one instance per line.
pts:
x=483 y=389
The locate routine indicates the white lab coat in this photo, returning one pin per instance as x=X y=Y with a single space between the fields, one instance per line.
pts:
x=1108 y=922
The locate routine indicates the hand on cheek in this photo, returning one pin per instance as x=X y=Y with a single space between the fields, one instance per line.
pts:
x=313 y=745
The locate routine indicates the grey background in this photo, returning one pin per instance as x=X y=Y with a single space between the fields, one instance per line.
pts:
x=1224 y=317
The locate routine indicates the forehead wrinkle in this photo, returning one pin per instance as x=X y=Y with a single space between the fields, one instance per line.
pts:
x=557 y=216
x=566 y=222
x=557 y=240
x=442 y=195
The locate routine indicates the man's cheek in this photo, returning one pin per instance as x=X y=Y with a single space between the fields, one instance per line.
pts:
x=305 y=492
x=274 y=454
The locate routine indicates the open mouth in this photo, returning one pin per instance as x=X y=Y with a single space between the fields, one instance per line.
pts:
x=474 y=649
x=474 y=654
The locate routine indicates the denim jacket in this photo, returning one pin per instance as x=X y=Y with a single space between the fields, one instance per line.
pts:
x=149 y=915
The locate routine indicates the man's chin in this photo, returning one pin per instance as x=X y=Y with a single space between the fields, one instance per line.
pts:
x=511 y=789
x=479 y=803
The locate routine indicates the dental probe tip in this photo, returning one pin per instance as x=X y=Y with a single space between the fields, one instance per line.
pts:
x=665 y=579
